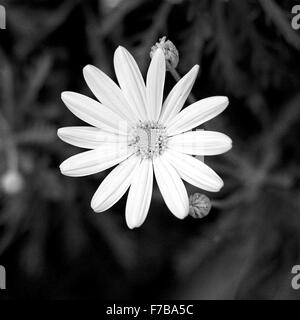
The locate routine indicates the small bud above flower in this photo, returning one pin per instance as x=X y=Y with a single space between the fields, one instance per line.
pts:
x=170 y=51
x=200 y=205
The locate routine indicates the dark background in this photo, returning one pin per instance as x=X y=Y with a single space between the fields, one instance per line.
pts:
x=51 y=242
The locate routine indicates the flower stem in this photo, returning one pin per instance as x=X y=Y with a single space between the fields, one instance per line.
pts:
x=191 y=98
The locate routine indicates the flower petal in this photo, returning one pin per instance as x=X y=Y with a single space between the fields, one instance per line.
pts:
x=200 y=142
x=89 y=137
x=196 y=114
x=171 y=187
x=178 y=95
x=139 y=196
x=93 y=112
x=155 y=84
x=93 y=161
x=114 y=185
x=194 y=171
x=131 y=81
x=107 y=92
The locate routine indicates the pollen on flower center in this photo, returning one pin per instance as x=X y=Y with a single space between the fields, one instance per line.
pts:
x=149 y=139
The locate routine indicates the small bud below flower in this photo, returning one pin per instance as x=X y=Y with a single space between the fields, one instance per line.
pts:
x=170 y=51
x=200 y=205
x=11 y=182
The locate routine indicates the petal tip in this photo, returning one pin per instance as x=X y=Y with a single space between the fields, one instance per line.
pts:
x=131 y=225
x=87 y=69
x=220 y=100
x=65 y=95
x=97 y=203
x=62 y=168
x=59 y=132
x=120 y=49
x=196 y=68
x=62 y=95
x=183 y=215
x=94 y=206
x=220 y=185
x=229 y=143
x=226 y=100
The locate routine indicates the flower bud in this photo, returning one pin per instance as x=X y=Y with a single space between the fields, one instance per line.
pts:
x=170 y=51
x=11 y=182
x=200 y=205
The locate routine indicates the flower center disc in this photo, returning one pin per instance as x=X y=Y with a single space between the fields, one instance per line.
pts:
x=148 y=139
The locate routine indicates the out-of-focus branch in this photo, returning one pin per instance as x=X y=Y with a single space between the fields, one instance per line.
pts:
x=289 y=115
x=150 y=36
x=113 y=19
x=36 y=80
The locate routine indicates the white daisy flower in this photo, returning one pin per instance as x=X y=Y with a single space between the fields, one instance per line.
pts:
x=132 y=128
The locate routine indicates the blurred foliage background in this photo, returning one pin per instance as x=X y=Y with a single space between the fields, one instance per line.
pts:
x=51 y=242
